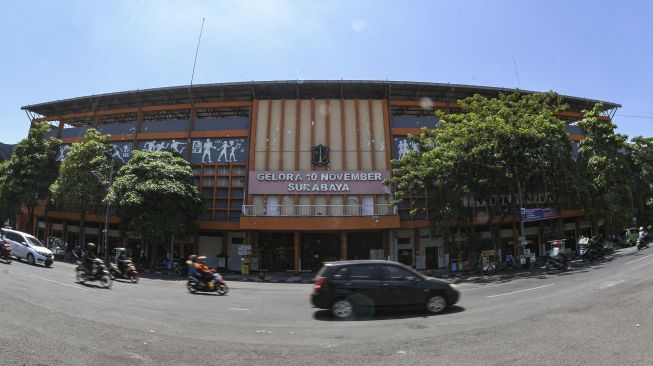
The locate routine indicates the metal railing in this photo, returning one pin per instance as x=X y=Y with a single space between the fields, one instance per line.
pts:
x=319 y=210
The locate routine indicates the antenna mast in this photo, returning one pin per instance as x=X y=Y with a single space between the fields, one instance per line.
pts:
x=195 y=62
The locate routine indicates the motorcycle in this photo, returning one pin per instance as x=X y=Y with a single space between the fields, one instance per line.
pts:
x=130 y=272
x=559 y=262
x=99 y=273
x=594 y=251
x=217 y=285
x=6 y=252
x=643 y=242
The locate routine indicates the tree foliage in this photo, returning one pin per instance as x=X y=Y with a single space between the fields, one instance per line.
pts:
x=493 y=147
x=29 y=172
x=605 y=176
x=156 y=193
x=640 y=151
x=81 y=171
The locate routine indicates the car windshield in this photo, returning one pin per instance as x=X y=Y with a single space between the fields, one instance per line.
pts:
x=34 y=241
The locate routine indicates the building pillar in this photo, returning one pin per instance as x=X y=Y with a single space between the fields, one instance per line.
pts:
x=48 y=230
x=515 y=241
x=343 y=245
x=418 y=247
x=386 y=244
x=298 y=238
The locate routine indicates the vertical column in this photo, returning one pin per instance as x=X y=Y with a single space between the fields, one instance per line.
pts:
x=418 y=246
x=298 y=238
x=386 y=244
x=343 y=245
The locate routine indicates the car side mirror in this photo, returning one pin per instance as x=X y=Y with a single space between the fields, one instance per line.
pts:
x=24 y=243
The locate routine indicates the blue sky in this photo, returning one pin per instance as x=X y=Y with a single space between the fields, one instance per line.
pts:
x=62 y=49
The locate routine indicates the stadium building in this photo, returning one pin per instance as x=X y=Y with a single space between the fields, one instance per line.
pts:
x=293 y=170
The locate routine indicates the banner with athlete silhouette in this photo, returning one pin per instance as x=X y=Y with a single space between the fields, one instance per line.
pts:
x=219 y=150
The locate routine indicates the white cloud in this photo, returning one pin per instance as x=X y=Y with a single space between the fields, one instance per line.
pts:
x=358 y=25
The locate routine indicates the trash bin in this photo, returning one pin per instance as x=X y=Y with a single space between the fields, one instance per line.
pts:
x=454 y=265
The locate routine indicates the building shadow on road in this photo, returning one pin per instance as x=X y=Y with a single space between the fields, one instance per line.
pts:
x=375 y=315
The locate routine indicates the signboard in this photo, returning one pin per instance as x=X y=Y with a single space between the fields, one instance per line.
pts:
x=122 y=151
x=316 y=182
x=244 y=249
x=538 y=214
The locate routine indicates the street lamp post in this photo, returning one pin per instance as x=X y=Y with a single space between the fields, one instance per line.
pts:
x=106 y=217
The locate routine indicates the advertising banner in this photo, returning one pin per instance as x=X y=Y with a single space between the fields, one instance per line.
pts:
x=538 y=214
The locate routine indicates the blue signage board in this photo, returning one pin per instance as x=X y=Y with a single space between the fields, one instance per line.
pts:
x=538 y=214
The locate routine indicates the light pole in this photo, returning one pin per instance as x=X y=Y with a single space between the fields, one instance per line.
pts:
x=107 y=184
x=106 y=215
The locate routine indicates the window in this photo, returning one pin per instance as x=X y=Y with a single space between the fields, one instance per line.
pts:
x=363 y=272
x=394 y=273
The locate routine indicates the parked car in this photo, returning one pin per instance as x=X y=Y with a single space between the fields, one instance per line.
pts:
x=347 y=287
x=58 y=247
x=25 y=246
x=628 y=237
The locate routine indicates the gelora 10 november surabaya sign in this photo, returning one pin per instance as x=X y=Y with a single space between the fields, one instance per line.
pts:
x=318 y=182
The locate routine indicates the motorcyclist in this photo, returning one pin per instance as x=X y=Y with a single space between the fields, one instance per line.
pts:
x=120 y=260
x=88 y=258
x=556 y=253
x=642 y=234
x=191 y=265
x=203 y=273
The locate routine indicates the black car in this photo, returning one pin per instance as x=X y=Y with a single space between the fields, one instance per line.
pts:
x=349 y=286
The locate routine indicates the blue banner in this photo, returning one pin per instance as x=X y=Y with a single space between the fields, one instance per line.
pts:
x=538 y=214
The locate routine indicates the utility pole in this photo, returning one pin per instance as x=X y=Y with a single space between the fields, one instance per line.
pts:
x=106 y=216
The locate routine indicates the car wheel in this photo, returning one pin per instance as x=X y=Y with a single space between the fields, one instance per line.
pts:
x=342 y=309
x=435 y=304
x=30 y=259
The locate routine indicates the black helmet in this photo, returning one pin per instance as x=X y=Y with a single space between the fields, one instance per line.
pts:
x=91 y=247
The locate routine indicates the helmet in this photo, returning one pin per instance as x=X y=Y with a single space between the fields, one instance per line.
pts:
x=192 y=258
x=200 y=259
x=556 y=243
x=91 y=247
x=641 y=228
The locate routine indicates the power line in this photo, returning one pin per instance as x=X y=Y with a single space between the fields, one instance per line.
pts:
x=196 y=51
x=633 y=116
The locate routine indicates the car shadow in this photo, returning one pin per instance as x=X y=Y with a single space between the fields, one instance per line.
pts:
x=383 y=314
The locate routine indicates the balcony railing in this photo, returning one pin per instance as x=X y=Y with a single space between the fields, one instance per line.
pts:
x=319 y=210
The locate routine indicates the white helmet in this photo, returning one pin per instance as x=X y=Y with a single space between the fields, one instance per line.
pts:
x=641 y=228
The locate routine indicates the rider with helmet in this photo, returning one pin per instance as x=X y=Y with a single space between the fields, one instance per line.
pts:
x=89 y=257
x=203 y=273
x=120 y=260
x=191 y=265
x=642 y=234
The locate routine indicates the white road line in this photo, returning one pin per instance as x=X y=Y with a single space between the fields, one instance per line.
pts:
x=610 y=284
x=528 y=289
x=480 y=287
x=58 y=283
x=639 y=259
x=238 y=309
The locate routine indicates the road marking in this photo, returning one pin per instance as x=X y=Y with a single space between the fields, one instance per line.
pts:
x=610 y=284
x=639 y=259
x=238 y=309
x=479 y=287
x=528 y=289
x=58 y=283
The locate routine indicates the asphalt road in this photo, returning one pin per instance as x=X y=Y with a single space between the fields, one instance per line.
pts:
x=598 y=314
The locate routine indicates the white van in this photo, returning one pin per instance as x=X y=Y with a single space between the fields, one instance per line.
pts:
x=25 y=246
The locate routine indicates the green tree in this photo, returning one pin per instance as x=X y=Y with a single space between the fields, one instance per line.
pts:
x=641 y=154
x=507 y=145
x=155 y=192
x=605 y=183
x=84 y=167
x=9 y=204
x=29 y=172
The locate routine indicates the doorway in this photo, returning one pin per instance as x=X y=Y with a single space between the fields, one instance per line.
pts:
x=319 y=248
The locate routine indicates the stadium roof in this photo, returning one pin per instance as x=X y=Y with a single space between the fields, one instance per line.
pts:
x=289 y=89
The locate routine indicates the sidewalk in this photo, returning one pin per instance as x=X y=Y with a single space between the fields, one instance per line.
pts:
x=456 y=277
